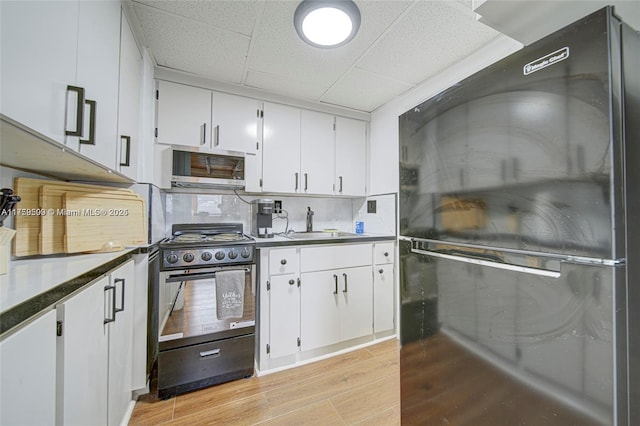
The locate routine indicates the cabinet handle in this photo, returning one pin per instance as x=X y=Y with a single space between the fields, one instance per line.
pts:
x=204 y=134
x=115 y=283
x=216 y=135
x=306 y=181
x=386 y=254
x=345 y=283
x=127 y=151
x=283 y=262
x=212 y=352
x=296 y=181
x=340 y=184
x=107 y=319
x=380 y=271
x=79 y=111
x=335 y=280
x=292 y=282
x=93 y=105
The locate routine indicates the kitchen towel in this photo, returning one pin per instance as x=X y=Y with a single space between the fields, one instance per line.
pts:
x=230 y=293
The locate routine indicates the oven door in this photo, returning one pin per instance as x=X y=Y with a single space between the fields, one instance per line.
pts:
x=188 y=310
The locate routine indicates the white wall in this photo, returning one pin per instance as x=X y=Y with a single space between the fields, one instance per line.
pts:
x=383 y=150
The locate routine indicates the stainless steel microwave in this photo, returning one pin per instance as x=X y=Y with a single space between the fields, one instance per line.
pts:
x=195 y=168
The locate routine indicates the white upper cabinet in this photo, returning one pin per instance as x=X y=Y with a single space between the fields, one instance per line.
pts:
x=184 y=115
x=317 y=152
x=350 y=149
x=38 y=62
x=97 y=72
x=129 y=138
x=281 y=149
x=60 y=66
x=235 y=123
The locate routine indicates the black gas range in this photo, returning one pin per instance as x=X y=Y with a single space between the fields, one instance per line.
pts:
x=205 y=245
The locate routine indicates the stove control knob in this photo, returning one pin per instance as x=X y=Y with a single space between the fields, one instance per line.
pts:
x=206 y=256
x=172 y=258
x=245 y=253
x=219 y=255
x=233 y=254
x=188 y=257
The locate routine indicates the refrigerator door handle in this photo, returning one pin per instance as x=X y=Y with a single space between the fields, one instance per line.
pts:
x=481 y=262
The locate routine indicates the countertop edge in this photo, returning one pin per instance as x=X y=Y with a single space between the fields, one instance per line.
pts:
x=283 y=241
x=18 y=314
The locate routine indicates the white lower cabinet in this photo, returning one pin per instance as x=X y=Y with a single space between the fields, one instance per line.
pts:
x=28 y=366
x=383 y=287
x=336 y=306
x=319 y=299
x=284 y=315
x=95 y=351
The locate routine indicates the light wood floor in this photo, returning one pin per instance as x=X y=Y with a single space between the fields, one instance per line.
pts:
x=361 y=387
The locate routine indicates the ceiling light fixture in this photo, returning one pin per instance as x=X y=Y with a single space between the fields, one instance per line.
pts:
x=327 y=23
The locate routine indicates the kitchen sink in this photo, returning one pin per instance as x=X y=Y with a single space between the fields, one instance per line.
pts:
x=319 y=235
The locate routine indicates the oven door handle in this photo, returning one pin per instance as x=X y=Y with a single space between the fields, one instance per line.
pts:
x=198 y=276
x=212 y=352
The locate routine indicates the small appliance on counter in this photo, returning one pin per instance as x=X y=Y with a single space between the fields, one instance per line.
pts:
x=261 y=218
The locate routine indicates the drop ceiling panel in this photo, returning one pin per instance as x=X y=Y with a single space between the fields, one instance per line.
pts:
x=430 y=37
x=236 y=16
x=192 y=46
x=279 y=51
x=292 y=87
x=363 y=90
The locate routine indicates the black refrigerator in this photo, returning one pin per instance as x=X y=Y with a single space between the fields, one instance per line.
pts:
x=520 y=238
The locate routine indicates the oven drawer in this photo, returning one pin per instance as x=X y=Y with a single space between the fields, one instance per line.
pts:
x=193 y=367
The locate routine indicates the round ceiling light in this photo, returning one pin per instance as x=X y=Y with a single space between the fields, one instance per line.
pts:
x=326 y=24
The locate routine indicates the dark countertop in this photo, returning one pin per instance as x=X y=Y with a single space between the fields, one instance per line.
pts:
x=34 y=285
x=280 y=241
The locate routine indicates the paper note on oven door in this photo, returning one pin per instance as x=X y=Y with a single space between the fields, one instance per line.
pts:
x=240 y=324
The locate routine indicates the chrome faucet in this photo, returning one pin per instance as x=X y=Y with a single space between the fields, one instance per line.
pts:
x=309 y=219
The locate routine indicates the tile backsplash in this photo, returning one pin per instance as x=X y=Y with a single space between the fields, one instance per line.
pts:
x=329 y=212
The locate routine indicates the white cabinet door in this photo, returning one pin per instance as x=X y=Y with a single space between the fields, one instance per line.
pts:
x=28 y=366
x=281 y=149
x=284 y=315
x=129 y=139
x=319 y=309
x=184 y=115
x=39 y=45
x=97 y=72
x=355 y=293
x=383 y=298
x=121 y=343
x=83 y=355
x=317 y=152
x=235 y=123
x=351 y=149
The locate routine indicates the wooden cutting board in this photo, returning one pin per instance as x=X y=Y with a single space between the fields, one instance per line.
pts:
x=29 y=227
x=52 y=226
x=103 y=219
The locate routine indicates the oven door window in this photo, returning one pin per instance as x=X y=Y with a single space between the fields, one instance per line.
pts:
x=190 y=305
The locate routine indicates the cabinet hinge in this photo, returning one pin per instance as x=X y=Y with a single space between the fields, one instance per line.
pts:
x=298 y=342
x=58 y=328
x=298 y=282
x=334 y=126
x=156 y=132
x=258 y=113
x=257 y=146
x=260 y=182
x=268 y=283
x=157 y=94
x=268 y=348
